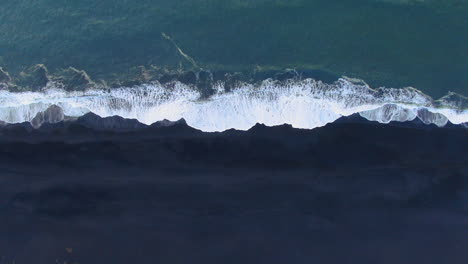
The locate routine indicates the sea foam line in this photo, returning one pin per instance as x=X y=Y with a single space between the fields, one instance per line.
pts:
x=303 y=104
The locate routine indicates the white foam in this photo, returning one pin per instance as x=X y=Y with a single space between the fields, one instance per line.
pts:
x=303 y=104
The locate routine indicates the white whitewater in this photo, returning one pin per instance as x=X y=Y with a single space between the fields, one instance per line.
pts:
x=303 y=104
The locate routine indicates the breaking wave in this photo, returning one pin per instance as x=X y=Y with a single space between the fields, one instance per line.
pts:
x=303 y=104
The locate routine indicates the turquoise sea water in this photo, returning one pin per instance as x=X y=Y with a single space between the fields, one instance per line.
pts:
x=385 y=42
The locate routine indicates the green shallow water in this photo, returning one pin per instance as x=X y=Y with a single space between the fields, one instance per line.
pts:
x=385 y=42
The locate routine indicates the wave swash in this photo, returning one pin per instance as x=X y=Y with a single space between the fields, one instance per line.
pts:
x=302 y=103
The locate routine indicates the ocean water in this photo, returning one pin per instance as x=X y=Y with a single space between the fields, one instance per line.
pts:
x=392 y=43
